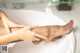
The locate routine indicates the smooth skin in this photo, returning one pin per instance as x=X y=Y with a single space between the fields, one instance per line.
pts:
x=24 y=33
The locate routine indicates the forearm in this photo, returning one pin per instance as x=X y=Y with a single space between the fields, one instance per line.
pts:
x=3 y=15
x=7 y=22
x=9 y=38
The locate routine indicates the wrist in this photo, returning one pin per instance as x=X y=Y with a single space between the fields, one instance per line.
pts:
x=19 y=35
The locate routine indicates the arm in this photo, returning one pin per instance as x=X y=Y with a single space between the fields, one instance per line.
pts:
x=9 y=38
x=23 y=34
x=8 y=22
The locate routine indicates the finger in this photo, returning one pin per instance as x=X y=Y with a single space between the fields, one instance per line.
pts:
x=46 y=41
x=36 y=39
x=36 y=42
x=41 y=36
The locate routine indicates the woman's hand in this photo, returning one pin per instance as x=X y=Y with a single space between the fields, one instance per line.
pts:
x=26 y=34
